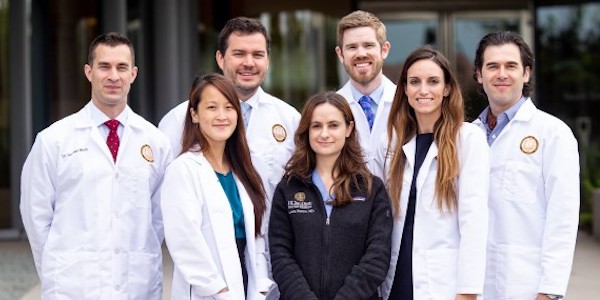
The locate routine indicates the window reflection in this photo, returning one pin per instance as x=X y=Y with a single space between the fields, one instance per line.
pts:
x=406 y=35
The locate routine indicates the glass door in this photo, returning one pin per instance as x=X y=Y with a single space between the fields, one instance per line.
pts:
x=456 y=34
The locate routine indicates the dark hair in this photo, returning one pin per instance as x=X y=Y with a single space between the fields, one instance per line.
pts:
x=237 y=152
x=402 y=127
x=242 y=25
x=111 y=39
x=351 y=165
x=500 y=38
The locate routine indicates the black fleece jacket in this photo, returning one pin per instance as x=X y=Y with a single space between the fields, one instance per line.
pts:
x=345 y=256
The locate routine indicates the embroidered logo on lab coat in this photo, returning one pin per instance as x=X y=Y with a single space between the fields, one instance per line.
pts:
x=279 y=132
x=147 y=153
x=529 y=144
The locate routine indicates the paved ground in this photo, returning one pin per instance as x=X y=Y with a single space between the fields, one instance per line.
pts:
x=19 y=281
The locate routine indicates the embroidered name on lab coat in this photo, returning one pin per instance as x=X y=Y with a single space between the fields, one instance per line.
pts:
x=297 y=207
x=74 y=152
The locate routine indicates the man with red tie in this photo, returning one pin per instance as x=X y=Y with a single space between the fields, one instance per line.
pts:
x=90 y=190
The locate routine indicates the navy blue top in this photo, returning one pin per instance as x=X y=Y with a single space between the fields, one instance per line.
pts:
x=402 y=288
x=228 y=183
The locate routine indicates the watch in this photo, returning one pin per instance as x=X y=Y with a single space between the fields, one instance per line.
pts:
x=553 y=297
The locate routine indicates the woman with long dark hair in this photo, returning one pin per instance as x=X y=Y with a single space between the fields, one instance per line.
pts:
x=330 y=223
x=436 y=168
x=214 y=201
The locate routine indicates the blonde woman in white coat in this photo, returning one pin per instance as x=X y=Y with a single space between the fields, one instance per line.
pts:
x=215 y=202
x=436 y=168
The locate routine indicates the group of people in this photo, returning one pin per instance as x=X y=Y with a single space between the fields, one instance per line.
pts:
x=376 y=191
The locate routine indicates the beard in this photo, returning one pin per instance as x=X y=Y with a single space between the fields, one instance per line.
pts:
x=364 y=78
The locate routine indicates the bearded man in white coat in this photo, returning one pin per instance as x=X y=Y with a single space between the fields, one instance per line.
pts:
x=243 y=56
x=362 y=47
x=534 y=178
x=90 y=190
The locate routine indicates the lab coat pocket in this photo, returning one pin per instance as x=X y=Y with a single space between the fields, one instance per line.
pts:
x=521 y=272
x=520 y=181
x=72 y=275
x=442 y=271
x=145 y=275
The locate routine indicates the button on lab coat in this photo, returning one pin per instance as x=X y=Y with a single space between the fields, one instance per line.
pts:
x=95 y=226
x=534 y=207
x=448 y=248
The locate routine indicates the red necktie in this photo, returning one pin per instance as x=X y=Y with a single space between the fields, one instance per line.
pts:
x=112 y=141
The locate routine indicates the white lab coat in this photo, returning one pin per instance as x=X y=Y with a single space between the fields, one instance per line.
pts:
x=534 y=207
x=95 y=226
x=448 y=248
x=201 y=238
x=369 y=139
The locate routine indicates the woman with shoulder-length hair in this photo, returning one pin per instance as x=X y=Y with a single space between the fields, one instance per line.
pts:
x=330 y=223
x=436 y=167
x=214 y=202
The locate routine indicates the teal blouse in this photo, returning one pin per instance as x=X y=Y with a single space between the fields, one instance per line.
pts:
x=228 y=183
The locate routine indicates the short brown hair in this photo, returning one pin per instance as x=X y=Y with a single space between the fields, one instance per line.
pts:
x=361 y=18
x=243 y=26
x=111 y=39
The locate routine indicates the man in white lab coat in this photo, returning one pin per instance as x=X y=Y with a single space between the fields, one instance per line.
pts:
x=90 y=190
x=362 y=47
x=534 y=178
x=243 y=56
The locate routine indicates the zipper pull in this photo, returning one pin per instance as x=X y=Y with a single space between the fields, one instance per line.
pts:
x=327 y=221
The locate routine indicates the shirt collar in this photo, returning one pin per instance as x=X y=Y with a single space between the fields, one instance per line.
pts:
x=510 y=113
x=376 y=95
x=253 y=101
x=98 y=117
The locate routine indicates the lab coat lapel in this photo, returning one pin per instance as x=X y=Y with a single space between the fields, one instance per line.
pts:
x=221 y=218
x=410 y=150
x=84 y=122
x=426 y=166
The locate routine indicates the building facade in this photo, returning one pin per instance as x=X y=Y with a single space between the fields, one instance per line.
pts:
x=43 y=47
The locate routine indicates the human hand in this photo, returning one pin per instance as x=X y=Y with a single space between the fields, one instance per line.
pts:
x=466 y=297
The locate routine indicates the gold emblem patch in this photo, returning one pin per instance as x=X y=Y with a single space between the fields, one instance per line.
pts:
x=147 y=153
x=529 y=144
x=300 y=196
x=279 y=132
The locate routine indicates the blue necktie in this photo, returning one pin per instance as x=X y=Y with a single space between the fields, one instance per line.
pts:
x=365 y=103
x=246 y=109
